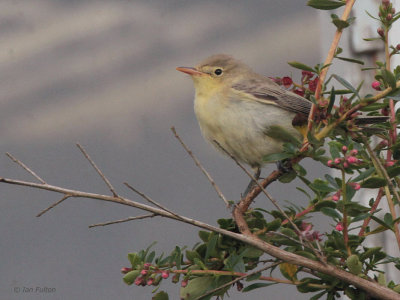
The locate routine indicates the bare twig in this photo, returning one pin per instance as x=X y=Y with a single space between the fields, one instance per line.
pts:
x=123 y=220
x=371 y=287
x=144 y=196
x=53 y=205
x=20 y=163
x=237 y=279
x=198 y=164
x=107 y=182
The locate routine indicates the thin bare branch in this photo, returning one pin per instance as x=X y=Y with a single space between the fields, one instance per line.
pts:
x=107 y=182
x=198 y=164
x=144 y=196
x=20 y=163
x=53 y=205
x=371 y=287
x=237 y=279
x=123 y=220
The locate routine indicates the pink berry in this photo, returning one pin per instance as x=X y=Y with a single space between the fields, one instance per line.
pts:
x=337 y=160
x=344 y=149
x=165 y=274
x=125 y=270
x=376 y=85
x=150 y=281
x=147 y=265
x=381 y=32
x=352 y=160
x=143 y=272
x=330 y=163
x=353 y=152
x=389 y=163
x=184 y=283
x=335 y=198
x=339 y=226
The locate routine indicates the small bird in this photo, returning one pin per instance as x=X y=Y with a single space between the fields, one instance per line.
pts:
x=237 y=108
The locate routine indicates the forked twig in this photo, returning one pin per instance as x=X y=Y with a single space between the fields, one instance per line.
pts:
x=20 y=163
x=198 y=164
x=274 y=202
x=144 y=196
x=107 y=182
x=66 y=196
x=123 y=220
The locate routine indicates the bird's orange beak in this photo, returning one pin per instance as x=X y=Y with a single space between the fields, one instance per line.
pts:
x=190 y=71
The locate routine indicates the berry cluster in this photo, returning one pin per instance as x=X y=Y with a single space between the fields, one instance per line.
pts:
x=349 y=159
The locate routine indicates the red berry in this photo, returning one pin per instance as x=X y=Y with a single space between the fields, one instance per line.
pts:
x=299 y=92
x=287 y=81
x=344 y=149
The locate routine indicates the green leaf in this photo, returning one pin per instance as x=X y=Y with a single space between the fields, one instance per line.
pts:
x=354 y=264
x=281 y=134
x=276 y=157
x=332 y=181
x=288 y=177
x=346 y=84
x=330 y=212
x=130 y=277
x=301 y=66
x=160 y=296
x=234 y=263
x=211 y=245
x=340 y=24
x=274 y=225
x=324 y=203
x=393 y=171
x=389 y=78
x=374 y=182
x=256 y=286
x=352 y=60
x=253 y=277
x=331 y=100
x=134 y=259
x=322 y=186
x=364 y=175
x=325 y=4
x=204 y=235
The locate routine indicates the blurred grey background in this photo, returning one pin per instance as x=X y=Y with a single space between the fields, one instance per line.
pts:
x=102 y=73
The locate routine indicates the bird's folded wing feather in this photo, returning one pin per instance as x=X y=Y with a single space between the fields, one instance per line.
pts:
x=266 y=91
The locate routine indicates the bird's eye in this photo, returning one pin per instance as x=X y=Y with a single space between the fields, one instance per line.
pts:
x=218 y=72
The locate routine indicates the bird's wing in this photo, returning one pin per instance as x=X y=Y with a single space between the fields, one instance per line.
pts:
x=266 y=91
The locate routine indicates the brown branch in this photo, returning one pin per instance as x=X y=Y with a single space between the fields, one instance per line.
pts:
x=53 y=205
x=21 y=164
x=107 y=182
x=373 y=209
x=123 y=220
x=372 y=288
x=144 y=196
x=198 y=164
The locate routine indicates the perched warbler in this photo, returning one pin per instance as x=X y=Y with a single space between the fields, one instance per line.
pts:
x=237 y=108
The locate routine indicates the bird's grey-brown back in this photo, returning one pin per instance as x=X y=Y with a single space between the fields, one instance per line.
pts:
x=243 y=78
